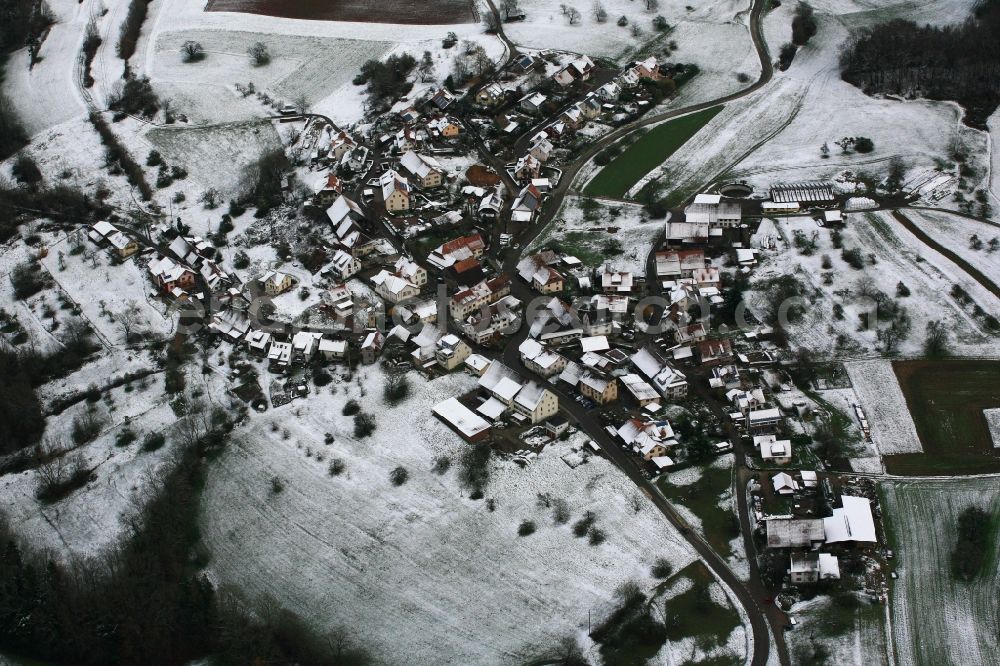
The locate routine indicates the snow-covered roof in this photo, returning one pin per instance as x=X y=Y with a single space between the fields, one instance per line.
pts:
x=595 y=343
x=492 y=408
x=461 y=417
x=852 y=522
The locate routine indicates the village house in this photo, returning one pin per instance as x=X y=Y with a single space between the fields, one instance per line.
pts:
x=577 y=70
x=257 y=342
x=171 y=277
x=490 y=95
x=678 y=264
x=710 y=209
x=527 y=168
x=457 y=250
x=371 y=346
x=340 y=145
x=774 y=450
x=852 y=522
x=535 y=402
x=403 y=283
x=668 y=382
x=305 y=344
x=532 y=102
x=395 y=192
x=332 y=350
x=540 y=360
x=812 y=567
x=715 y=351
x=602 y=390
x=616 y=282
x=120 y=244
x=444 y=127
x=641 y=392
x=497 y=319
x=541 y=148
x=442 y=99
x=279 y=355
x=451 y=352
x=327 y=189
x=649 y=439
x=275 y=283
x=478 y=296
x=763 y=420
x=425 y=170
x=526 y=205
x=343 y=265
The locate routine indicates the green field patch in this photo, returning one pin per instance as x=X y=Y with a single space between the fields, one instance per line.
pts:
x=693 y=613
x=719 y=525
x=649 y=152
x=946 y=400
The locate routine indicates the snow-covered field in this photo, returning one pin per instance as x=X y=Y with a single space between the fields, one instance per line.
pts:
x=419 y=569
x=864 y=645
x=993 y=422
x=547 y=27
x=885 y=408
x=900 y=257
x=954 y=232
x=936 y=619
x=572 y=232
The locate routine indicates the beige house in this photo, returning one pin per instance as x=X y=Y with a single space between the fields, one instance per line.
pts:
x=536 y=402
x=599 y=389
x=395 y=192
x=451 y=352
x=424 y=169
x=275 y=283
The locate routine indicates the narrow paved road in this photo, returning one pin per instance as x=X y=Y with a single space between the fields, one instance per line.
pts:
x=758 y=619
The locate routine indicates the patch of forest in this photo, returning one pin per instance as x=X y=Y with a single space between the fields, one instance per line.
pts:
x=959 y=63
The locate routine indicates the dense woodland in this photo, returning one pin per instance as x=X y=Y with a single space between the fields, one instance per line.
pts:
x=959 y=62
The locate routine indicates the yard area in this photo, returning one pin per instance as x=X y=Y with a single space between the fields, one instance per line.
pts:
x=946 y=400
x=651 y=150
x=708 y=499
x=935 y=618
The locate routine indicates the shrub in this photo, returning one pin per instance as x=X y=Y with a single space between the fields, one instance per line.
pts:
x=786 y=55
x=153 y=441
x=131 y=27
x=277 y=485
x=154 y=158
x=526 y=528
x=351 y=407
x=399 y=476
x=863 y=144
x=364 y=425
x=336 y=467
x=26 y=170
x=902 y=290
x=86 y=427
x=582 y=526
x=803 y=24
x=853 y=258
x=475 y=472
x=26 y=279
x=441 y=464
x=973 y=545
x=662 y=568
x=125 y=437
x=597 y=536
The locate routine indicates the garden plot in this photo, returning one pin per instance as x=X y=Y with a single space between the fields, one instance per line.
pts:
x=935 y=618
x=419 y=569
x=582 y=229
x=111 y=297
x=899 y=257
x=89 y=519
x=217 y=155
x=954 y=233
x=882 y=399
x=301 y=67
x=546 y=26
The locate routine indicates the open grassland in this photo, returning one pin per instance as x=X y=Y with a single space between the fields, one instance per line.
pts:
x=935 y=618
x=419 y=570
x=419 y=12
x=651 y=150
x=946 y=400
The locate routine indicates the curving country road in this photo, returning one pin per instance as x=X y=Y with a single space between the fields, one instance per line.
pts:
x=747 y=595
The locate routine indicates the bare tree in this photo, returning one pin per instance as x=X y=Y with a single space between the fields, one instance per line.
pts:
x=600 y=12
x=426 y=67
x=491 y=22
x=127 y=319
x=259 y=55
x=652 y=5
x=573 y=14
x=509 y=7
